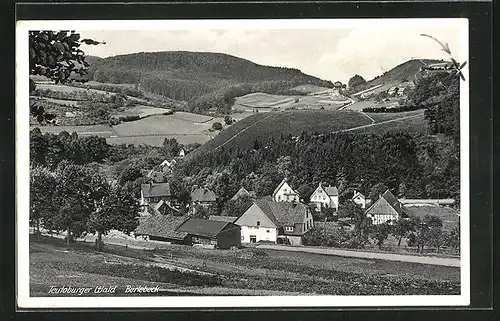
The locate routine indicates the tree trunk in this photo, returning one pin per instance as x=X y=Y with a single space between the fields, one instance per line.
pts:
x=38 y=229
x=98 y=241
x=400 y=239
x=68 y=238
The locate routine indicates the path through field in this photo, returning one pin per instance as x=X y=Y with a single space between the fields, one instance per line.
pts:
x=452 y=262
x=376 y=124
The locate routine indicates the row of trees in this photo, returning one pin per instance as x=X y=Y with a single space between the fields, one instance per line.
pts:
x=426 y=232
x=75 y=199
x=49 y=149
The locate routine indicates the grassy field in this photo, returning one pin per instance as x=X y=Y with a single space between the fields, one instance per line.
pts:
x=265 y=125
x=267 y=102
x=359 y=105
x=98 y=130
x=187 y=270
x=415 y=124
x=142 y=111
x=308 y=88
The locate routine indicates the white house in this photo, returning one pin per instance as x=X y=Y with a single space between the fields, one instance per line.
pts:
x=360 y=199
x=285 y=193
x=277 y=222
x=182 y=153
x=325 y=196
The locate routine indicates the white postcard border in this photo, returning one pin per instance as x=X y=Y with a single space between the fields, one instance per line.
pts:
x=22 y=171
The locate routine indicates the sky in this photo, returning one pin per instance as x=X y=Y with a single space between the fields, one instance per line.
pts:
x=330 y=54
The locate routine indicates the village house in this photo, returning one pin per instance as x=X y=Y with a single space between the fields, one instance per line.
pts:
x=242 y=192
x=325 y=196
x=155 y=192
x=277 y=222
x=387 y=209
x=285 y=193
x=203 y=197
x=190 y=231
x=182 y=153
x=360 y=199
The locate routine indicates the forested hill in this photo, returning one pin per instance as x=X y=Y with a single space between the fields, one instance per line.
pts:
x=184 y=75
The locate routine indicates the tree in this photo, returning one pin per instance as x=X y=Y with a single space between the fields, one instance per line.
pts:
x=117 y=210
x=284 y=165
x=376 y=191
x=428 y=232
x=77 y=192
x=171 y=147
x=381 y=233
x=42 y=186
x=217 y=126
x=56 y=55
x=38 y=147
x=356 y=80
x=237 y=207
x=402 y=228
x=130 y=174
x=228 y=120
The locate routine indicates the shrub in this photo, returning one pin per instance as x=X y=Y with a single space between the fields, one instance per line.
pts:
x=217 y=126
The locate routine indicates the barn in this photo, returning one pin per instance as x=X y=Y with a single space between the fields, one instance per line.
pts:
x=219 y=234
x=163 y=228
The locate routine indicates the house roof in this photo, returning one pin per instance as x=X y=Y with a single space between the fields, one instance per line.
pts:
x=162 y=226
x=281 y=184
x=203 y=195
x=282 y=213
x=230 y=219
x=155 y=189
x=242 y=192
x=331 y=190
x=392 y=202
x=356 y=194
x=202 y=227
x=448 y=215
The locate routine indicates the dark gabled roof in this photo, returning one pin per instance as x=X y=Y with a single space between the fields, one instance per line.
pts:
x=242 y=192
x=162 y=226
x=282 y=213
x=203 y=195
x=331 y=190
x=202 y=227
x=155 y=189
x=393 y=202
x=230 y=219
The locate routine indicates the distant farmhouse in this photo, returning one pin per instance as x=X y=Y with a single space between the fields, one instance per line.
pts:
x=190 y=231
x=325 y=196
x=285 y=193
x=276 y=222
x=386 y=209
x=203 y=197
x=360 y=199
x=242 y=192
x=155 y=192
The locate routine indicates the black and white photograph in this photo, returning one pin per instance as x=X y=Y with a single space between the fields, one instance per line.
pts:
x=242 y=163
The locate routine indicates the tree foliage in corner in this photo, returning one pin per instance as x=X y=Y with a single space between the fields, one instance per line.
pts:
x=56 y=55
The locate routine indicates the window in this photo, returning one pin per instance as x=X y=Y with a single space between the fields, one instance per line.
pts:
x=242 y=238
x=253 y=239
x=279 y=198
x=268 y=231
x=258 y=223
x=324 y=198
x=289 y=228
